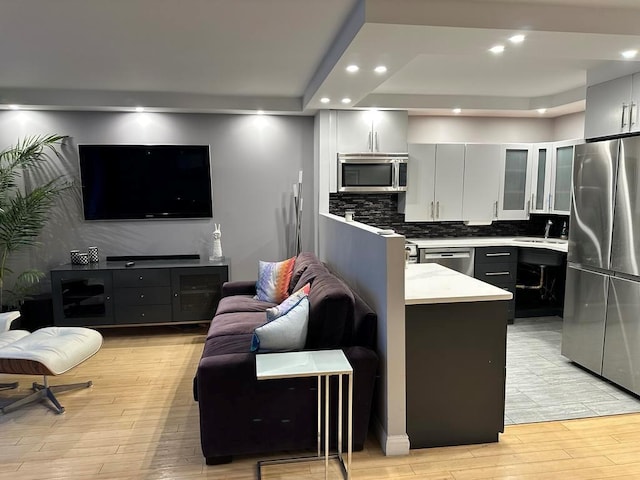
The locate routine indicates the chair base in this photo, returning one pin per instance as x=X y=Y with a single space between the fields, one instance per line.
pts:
x=44 y=391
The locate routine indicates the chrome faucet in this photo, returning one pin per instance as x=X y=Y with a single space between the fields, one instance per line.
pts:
x=547 y=228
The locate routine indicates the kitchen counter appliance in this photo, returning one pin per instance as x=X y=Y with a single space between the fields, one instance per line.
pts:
x=456 y=258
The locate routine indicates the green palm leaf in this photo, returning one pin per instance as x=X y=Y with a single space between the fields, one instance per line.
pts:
x=23 y=215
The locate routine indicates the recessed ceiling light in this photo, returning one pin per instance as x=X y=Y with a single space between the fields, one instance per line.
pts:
x=457 y=110
x=542 y=110
x=346 y=100
x=497 y=49
x=139 y=109
x=629 y=53
x=14 y=107
x=325 y=100
x=380 y=69
x=517 y=38
x=260 y=112
x=353 y=68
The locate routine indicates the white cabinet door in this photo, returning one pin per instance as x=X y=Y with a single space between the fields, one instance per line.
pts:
x=354 y=132
x=560 y=198
x=372 y=131
x=390 y=131
x=608 y=108
x=515 y=186
x=449 y=182
x=541 y=168
x=481 y=183
x=417 y=203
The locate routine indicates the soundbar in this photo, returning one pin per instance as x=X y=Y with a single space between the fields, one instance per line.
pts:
x=141 y=258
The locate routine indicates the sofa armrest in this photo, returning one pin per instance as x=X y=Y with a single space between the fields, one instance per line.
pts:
x=243 y=287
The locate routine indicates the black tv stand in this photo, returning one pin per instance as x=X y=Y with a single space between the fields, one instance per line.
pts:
x=141 y=258
x=156 y=291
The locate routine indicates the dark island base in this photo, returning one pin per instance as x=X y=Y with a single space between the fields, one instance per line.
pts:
x=456 y=355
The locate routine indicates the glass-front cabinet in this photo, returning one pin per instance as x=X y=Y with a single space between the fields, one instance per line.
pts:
x=515 y=188
x=561 y=181
x=196 y=292
x=551 y=179
x=82 y=298
x=541 y=178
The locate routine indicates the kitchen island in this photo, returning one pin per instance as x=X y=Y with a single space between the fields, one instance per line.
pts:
x=456 y=329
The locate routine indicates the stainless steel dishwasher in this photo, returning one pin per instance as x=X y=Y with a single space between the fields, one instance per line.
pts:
x=455 y=258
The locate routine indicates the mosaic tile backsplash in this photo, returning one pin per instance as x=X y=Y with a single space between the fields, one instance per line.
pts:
x=381 y=210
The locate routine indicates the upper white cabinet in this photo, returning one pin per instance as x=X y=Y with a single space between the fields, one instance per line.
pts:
x=481 y=183
x=434 y=183
x=514 y=202
x=541 y=169
x=560 y=201
x=551 y=177
x=612 y=107
x=371 y=131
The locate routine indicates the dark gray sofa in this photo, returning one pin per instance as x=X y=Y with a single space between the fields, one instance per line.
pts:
x=241 y=415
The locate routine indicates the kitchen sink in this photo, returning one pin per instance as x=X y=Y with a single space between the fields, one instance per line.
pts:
x=555 y=241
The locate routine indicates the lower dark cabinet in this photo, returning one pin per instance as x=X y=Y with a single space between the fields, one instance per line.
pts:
x=151 y=292
x=498 y=266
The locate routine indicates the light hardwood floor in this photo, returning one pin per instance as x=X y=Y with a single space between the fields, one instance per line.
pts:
x=139 y=421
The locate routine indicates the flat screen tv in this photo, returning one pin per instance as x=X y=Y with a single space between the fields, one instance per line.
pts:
x=129 y=182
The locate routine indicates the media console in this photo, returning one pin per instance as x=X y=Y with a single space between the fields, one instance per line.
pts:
x=156 y=291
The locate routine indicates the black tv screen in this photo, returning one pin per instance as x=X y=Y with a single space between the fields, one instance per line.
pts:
x=128 y=182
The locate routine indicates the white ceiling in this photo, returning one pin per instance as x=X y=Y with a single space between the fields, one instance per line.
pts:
x=282 y=56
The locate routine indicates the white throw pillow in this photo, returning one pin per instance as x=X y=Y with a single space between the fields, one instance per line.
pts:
x=285 y=333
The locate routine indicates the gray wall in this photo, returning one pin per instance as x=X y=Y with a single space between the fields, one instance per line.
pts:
x=425 y=129
x=255 y=161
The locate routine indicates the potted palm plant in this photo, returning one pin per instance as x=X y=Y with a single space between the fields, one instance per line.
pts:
x=24 y=213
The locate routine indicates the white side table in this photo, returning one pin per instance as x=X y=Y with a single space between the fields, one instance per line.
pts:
x=320 y=363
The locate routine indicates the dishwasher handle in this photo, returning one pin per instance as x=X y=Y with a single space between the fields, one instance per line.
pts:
x=448 y=255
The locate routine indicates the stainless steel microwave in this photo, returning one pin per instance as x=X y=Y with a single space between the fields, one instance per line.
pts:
x=372 y=172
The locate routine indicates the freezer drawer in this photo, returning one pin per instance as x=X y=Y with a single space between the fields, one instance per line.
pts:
x=621 y=362
x=585 y=309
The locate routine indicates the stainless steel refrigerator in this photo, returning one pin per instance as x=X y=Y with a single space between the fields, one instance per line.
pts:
x=601 y=328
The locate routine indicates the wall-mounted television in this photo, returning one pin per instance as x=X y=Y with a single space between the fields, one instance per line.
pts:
x=130 y=182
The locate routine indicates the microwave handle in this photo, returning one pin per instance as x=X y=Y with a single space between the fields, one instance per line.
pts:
x=396 y=175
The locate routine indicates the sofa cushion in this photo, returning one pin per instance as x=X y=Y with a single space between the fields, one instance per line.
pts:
x=303 y=260
x=242 y=303
x=285 y=333
x=291 y=301
x=273 y=280
x=227 y=344
x=331 y=306
x=235 y=323
x=310 y=273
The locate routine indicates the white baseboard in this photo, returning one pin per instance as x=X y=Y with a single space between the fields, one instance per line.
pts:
x=391 y=444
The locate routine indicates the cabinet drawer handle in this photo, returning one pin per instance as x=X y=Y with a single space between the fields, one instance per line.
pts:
x=175 y=294
x=140 y=277
x=499 y=254
x=622 y=120
x=142 y=314
x=142 y=296
x=496 y=274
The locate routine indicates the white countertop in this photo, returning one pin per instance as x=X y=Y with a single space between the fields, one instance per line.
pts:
x=429 y=283
x=534 y=242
